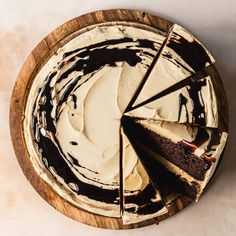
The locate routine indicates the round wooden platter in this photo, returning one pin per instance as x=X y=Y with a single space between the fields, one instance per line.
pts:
x=37 y=58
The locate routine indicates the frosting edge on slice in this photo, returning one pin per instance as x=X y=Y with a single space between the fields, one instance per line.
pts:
x=201 y=150
x=141 y=200
x=196 y=103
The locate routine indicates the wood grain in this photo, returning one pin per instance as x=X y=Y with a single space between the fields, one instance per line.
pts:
x=37 y=58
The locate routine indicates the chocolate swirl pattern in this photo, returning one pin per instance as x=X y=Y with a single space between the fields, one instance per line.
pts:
x=78 y=104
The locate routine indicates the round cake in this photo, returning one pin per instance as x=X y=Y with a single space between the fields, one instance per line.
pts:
x=121 y=121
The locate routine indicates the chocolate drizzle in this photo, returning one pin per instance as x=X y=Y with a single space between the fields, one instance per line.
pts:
x=144 y=202
x=73 y=143
x=74 y=99
x=195 y=93
x=182 y=103
x=201 y=137
x=177 y=63
x=194 y=90
x=192 y=52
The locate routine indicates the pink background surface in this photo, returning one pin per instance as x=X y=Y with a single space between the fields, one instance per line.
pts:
x=23 y=23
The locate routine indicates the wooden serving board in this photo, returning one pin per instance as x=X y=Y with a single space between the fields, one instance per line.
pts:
x=37 y=58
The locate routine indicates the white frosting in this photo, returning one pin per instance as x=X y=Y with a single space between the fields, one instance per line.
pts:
x=95 y=121
x=167 y=108
x=95 y=148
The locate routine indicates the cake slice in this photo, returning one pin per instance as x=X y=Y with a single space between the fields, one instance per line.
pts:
x=190 y=152
x=181 y=56
x=194 y=104
x=165 y=181
x=141 y=199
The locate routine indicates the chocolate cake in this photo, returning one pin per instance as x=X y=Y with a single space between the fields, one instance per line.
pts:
x=110 y=102
x=188 y=151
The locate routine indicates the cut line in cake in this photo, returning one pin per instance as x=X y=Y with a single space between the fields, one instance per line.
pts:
x=194 y=103
x=180 y=57
x=141 y=199
x=170 y=188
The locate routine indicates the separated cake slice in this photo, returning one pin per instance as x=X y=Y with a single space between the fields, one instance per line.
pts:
x=141 y=199
x=190 y=152
x=195 y=103
x=181 y=56
x=170 y=187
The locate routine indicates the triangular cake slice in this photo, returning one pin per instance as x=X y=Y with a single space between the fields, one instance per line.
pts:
x=141 y=199
x=194 y=104
x=131 y=75
x=190 y=152
x=165 y=181
x=181 y=56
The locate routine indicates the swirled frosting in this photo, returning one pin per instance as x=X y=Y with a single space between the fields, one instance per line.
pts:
x=73 y=112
